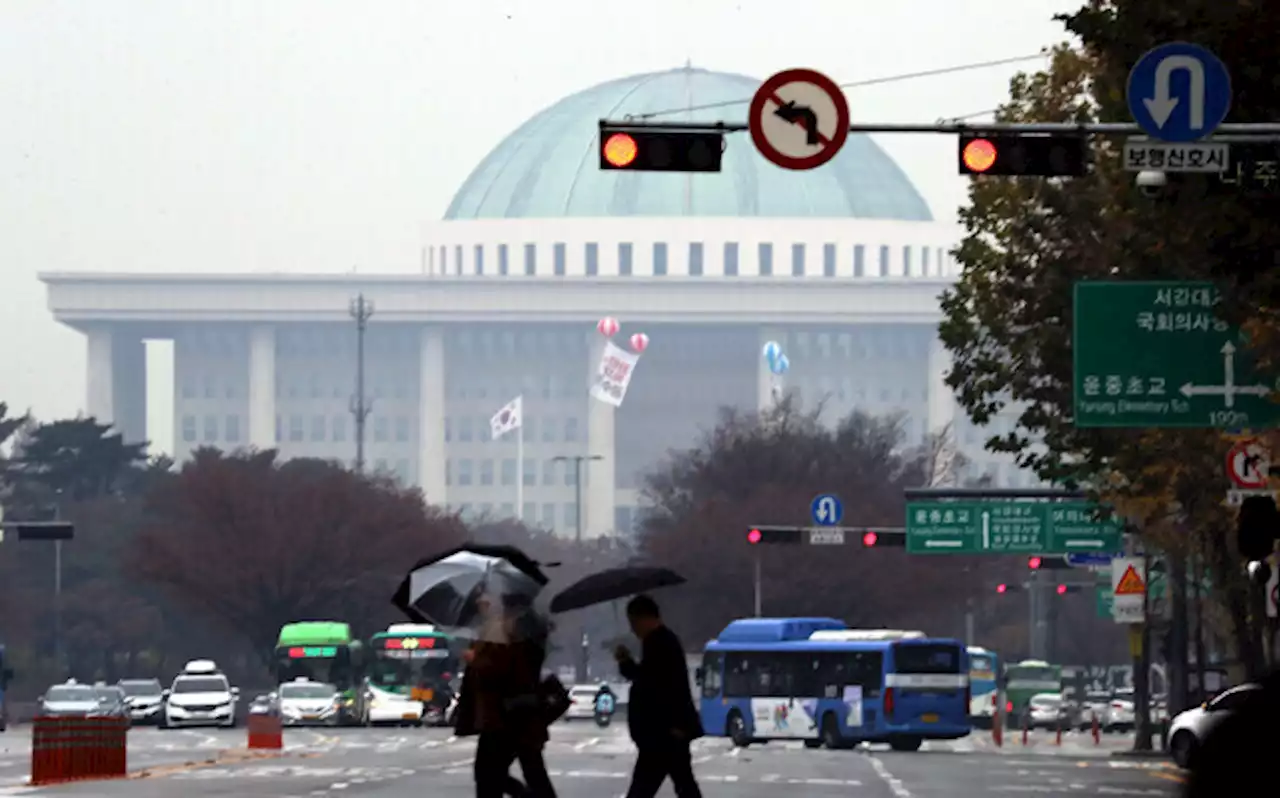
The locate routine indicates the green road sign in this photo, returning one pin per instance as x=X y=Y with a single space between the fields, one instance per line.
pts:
x=1008 y=528
x=1155 y=354
x=1103 y=596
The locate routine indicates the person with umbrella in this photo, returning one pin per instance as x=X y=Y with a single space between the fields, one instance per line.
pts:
x=661 y=715
x=500 y=701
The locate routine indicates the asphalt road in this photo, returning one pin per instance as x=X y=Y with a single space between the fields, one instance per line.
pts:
x=587 y=762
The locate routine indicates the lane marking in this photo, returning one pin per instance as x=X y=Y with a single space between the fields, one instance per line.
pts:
x=888 y=778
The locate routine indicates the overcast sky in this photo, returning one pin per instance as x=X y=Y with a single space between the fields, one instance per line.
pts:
x=317 y=135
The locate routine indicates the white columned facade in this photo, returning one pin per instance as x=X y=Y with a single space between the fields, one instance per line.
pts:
x=116 y=381
x=765 y=380
x=600 y=480
x=262 y=387
x=942 y=400
x=431 y=396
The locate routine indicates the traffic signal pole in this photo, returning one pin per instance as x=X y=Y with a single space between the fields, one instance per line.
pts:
x=1267 y=131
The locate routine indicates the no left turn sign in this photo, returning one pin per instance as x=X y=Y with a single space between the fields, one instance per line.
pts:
x=1249 y=464
x=799 y=119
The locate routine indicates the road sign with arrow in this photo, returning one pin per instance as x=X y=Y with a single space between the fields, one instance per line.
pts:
x=799 y=119
x=1156 y=354
x=1179 y=92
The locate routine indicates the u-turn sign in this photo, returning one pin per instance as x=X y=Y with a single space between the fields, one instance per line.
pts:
x=826 y=510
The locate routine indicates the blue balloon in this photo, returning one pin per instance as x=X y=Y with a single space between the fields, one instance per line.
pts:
x=772 y=351
x=781 y=365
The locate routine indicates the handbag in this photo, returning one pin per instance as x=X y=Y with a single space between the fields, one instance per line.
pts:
x=553 y=698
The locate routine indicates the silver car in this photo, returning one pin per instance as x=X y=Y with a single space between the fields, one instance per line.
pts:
x=70 y=701
x=145 y=699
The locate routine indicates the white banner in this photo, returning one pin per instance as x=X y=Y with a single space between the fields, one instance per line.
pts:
x=613 y=375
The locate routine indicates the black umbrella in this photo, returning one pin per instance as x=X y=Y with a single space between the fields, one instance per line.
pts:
x=445 y=590
x=612 y=585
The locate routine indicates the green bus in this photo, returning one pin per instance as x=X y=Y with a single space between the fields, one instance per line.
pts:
x=411 y=676
x=323 y=651
x=1025 y=679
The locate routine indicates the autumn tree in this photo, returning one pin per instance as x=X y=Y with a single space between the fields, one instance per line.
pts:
x=255 y=543
x=1008 y=321
x=765 y=469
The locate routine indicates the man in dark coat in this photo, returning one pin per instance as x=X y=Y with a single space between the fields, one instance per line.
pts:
x=499 y=703
x=660 y=712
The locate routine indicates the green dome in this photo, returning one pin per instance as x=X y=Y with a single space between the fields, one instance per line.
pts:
x=549 y=167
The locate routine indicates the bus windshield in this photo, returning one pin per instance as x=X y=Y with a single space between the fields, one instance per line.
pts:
x=982 y=666
x=330 y=664
x=400 y=664
x=1033 y=673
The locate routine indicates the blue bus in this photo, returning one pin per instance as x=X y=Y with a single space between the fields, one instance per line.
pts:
x=816 y=680
x=6 y=673
x=984 y=688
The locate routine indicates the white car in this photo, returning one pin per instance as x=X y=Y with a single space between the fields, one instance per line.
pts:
x=1047 y=711
x=200 y=696
x=1189 y=728
x=387 y=707
x=1119 y=715
x=303 y=702
x=582 y=702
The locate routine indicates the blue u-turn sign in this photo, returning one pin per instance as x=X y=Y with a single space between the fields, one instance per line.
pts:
x=826 y=510
x=1179 y=92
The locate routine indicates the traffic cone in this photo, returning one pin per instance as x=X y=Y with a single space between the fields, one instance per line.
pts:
x=997 y=731
x=1025 y=729
x=1097 y=732
x=1058 y=741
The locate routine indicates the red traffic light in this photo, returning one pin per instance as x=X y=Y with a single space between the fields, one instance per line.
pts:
x=754 y=536
x=870 y=539
x=1034 y=563
x=1002 y=588
x=620 y=150
x=979 y=155
x=1062 y=590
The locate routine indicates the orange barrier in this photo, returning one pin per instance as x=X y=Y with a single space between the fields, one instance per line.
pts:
x=1058 y=741
x=74 y=749
x=997 y=730
x=1025 y=731
x=266 y=731
x=1097 y=732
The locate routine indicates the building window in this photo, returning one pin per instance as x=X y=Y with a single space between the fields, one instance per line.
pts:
x=233 y=429
x=509 y=471
x=571 y=430
x=924 y=261
x=189 y=391
x=448 y=472
x=210 y=429
x=731 y=259
x=624 y=260
x=797 y=260
x=530 y=474
x=504 y=264
x=549 y=516
x=465 y=432
x=457 y=260
x=507 y=510
x=339 y=429
x=295 y=427
x=529 y=429
x=906 y=261
x=571 y=469
x=402 y=472
x=557 y=259
x=208 y=387
x=622 y=520
x=380 y=429
x=549 y=430
x=317 y=429
x=884 y=261
x=380 y=466
x=695 y=259
x=571 y=516
x=530 y=260
x=765 y=252
x=479 y=259
x=486 y=472
x=593 y=259
x=402 y=429
x=660 y=259
x=464 y=472
x=549 y=472
x=279 y=429
x=448 y=429
x=828 y=260
x=859 y=261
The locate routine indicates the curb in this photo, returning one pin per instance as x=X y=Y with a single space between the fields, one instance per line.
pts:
x=226 y=757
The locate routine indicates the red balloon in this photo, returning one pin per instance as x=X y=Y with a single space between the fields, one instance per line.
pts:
x=608 y=326
x=639 y=342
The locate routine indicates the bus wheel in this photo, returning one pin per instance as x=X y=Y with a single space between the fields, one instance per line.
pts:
x=831 y=736
x=736 y=730
x=813 y=743
x=905 y=743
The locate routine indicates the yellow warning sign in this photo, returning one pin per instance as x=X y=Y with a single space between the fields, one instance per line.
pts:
x=1130 y=583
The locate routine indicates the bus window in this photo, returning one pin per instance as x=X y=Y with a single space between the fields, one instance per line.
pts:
x=926 y=658
x=737 y=676
x=712 y=680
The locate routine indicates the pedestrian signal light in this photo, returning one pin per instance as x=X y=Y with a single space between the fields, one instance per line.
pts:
x=660 y=150
x=767 y=535
x=1002 y=588
x=869 y=539
x=1034 y=563
x=1062 y=590
x=754 y=536
x=1031 y=154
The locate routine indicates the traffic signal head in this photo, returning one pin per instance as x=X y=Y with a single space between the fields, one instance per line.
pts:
x=884 y=538
x=660 y=151
x=1034 y=563
x=1011 y=154
x=1002 y=588
x=870 y=539
x=1257 y=527
x=767 y=535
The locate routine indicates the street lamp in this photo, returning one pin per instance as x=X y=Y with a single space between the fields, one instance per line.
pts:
x=577 y=461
